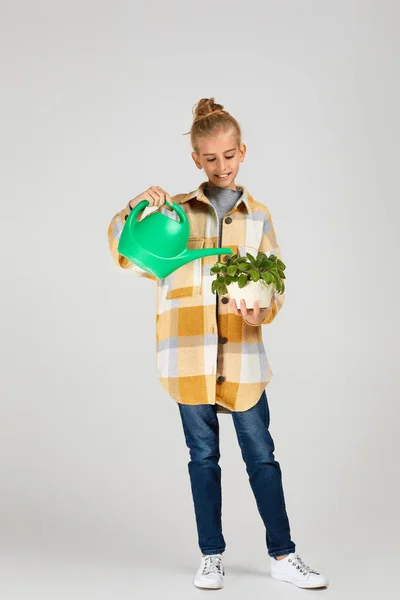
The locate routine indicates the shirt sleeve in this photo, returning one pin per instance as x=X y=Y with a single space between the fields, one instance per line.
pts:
x=269 y=245
x=114 y=232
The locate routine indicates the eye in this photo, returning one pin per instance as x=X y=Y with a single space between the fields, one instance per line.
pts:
x=212 y=159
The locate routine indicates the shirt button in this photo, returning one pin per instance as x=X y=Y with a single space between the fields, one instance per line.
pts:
x=224 y=300
x=228 y=220
x=223 y=340
x=226 y=257
x=125 y=217
x=220 y=379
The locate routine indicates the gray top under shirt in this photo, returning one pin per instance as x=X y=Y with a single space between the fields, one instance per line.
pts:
x=223 y=201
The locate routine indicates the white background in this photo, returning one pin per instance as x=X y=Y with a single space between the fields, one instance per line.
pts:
x=95 y=99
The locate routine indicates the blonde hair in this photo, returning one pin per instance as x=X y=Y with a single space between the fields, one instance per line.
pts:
x=209 y=118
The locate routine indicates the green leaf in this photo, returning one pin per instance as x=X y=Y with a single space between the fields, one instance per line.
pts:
x=232 y=270
x=274 y=278
x=242 y=280
x=280 y=264
x=267 y=277
x=251 y=259
x=254 y=275
x=244 y=266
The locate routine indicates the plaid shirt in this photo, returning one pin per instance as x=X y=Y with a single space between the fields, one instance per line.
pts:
x=201 y=359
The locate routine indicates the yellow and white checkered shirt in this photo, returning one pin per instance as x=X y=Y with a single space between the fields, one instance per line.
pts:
x=202 y=359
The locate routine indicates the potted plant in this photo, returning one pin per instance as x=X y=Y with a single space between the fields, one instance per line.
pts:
x=249 y=278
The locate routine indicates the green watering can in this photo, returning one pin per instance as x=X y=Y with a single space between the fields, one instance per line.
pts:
x=158 y=243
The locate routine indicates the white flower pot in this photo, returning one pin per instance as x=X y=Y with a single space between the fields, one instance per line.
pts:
x=253 y=290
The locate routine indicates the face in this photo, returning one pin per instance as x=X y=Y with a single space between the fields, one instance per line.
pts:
x=220 y=154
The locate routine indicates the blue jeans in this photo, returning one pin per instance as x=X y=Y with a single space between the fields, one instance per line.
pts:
x=201 y=429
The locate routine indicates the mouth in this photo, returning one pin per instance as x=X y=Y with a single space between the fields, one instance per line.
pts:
x=225 y=176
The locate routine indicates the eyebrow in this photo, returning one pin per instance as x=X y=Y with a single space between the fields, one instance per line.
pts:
x=213 y=153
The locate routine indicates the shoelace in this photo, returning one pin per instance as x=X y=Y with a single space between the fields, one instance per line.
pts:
x=301 y=566
x=212 y=564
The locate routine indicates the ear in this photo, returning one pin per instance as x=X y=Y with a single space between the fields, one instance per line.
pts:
x=196 y=160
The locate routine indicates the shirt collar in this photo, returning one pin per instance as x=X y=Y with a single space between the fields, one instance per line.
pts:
x=200 y=195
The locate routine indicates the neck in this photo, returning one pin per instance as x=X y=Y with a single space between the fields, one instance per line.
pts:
x=232 y=186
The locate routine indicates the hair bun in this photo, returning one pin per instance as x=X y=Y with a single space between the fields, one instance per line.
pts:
x=206 y=107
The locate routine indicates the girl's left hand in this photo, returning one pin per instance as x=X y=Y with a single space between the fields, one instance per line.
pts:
x=255 y=315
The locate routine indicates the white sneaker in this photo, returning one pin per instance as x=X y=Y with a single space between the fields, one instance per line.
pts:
x=294 y=570
x=211 y=572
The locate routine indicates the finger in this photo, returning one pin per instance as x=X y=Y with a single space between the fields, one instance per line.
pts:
x=158 y=194
x=164 y=195
x=154 y=198
x=243 y=307
x=256 y=309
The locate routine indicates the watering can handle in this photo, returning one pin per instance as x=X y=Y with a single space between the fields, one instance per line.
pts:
x=143 y=203
x=177 y=209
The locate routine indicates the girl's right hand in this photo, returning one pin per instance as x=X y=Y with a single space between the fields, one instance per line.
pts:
x=155 y=195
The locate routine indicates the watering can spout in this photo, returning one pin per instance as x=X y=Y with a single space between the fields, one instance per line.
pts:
x=188 y=255
x=165 y=267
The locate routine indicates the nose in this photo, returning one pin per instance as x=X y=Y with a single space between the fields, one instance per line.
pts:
x=222 y=166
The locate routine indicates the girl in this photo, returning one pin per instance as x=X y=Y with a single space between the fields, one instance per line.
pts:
x=210 y=353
